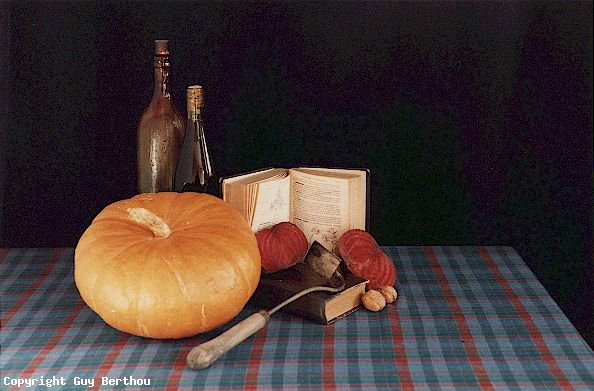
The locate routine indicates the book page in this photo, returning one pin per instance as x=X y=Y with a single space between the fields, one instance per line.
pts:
x=255 y=176
x=358 y=201
x=320 y=207
x=241 y=191
x=271 y=204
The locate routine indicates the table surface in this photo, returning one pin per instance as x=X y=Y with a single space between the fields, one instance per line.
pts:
x=466 y=317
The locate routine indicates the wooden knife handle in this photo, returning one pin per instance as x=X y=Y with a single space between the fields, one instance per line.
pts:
x=205 y=354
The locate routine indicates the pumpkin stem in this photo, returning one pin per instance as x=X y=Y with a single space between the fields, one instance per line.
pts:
x=153 y=222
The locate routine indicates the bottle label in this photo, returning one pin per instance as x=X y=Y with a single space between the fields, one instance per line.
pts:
x=161 y=61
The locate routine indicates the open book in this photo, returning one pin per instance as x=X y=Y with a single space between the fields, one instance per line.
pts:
x=323 y=202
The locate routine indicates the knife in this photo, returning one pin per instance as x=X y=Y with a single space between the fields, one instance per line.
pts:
x=326 y=277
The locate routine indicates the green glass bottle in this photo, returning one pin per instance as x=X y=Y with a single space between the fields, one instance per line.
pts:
x=194 y=170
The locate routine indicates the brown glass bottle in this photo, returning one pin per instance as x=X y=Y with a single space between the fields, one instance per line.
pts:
x=194 y=170
x=160 y=131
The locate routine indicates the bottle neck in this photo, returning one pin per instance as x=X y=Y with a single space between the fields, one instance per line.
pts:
x=162 y=72
x=194 y=106
x=204 y=172
x=194 y=114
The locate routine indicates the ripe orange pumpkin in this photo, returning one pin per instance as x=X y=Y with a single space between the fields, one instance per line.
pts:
x=167 y=265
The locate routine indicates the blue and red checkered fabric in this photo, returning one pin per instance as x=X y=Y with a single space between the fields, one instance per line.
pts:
x=466 y=318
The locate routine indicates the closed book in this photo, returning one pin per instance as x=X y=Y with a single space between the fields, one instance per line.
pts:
x=320 y=307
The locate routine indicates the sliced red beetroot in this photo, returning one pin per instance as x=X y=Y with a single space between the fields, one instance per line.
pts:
x=364 y=258
x=377 y=273
x=362 y=262
x=281 y=246
x=355 y=240
x=294 y=239
x=362 y=266
x=357 y=234
x=392 y=275
x=374 y=270
x=386 y=273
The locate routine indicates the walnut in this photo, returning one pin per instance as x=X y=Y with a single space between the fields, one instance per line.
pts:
x=373 y=300
x=389 y=293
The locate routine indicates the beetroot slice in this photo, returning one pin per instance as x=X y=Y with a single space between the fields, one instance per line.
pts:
x=365 y=259
x=386 y=275
x=377 y=274
x=355 y=242
x=281 y=246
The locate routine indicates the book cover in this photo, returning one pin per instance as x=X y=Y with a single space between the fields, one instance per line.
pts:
x=320 y=307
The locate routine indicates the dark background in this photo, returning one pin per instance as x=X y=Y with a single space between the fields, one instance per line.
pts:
x=475 y=118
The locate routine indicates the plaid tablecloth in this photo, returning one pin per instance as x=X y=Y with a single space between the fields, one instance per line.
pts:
x=466 y=317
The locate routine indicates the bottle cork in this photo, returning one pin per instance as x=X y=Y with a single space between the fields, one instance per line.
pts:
x=161 y=47
x=195 y=98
